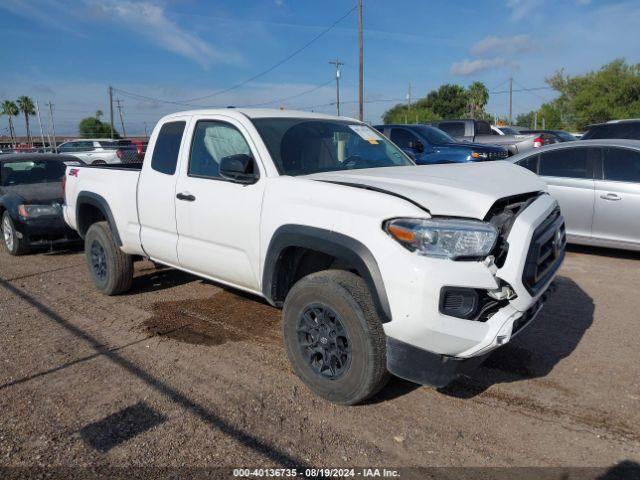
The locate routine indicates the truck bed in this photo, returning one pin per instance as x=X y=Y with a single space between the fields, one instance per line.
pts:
x=114 y=185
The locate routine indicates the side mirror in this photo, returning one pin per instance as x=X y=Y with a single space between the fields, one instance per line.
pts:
x=238 y=168
x=417 y=146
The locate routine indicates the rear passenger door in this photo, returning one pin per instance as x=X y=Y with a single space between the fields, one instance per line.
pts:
x=569 y=175
x=156 y=194
x=617 y=196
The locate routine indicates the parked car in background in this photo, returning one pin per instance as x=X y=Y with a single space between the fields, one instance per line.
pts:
x=428 y=145
x=597 y=183
x=31 y=200
x=141 y=148
x=479 y=131
x=379 y=265
x=629 y=129
x=101 y=150
x=551 y=136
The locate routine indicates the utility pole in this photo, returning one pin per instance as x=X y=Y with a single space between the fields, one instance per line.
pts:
x=337 y=63
x=124 y=132
x=40 y=123
x=510 y=100
x=360 y=65
x=535 y=121
x=145 y=131
x=111 y=109
x=406 y=115
x=53 y=128
x=543 y=124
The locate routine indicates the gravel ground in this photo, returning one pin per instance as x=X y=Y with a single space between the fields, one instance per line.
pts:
x=180 y=372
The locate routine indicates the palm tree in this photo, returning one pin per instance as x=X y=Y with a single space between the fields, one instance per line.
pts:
x=478 y=97
x=26 y=106
x=10 y=109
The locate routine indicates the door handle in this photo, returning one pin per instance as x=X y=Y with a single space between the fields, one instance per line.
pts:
x=186 y=196
x=611 y=196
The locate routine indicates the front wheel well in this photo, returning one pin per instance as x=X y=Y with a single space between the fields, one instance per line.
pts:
x=296 y=263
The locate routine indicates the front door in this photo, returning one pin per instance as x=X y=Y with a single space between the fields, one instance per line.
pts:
x=219 y=220
x=617 y=197
x=569 y=175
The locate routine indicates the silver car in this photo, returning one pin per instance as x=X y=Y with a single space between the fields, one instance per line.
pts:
x=597 y=184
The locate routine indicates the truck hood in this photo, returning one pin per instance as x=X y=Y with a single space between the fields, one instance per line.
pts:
x=459 y=190
x=480 y=147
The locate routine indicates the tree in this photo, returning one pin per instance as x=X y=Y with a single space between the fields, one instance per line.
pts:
x=99 y=114
x=612 y=92
x=92 y=127
x=478 y=96
x=26 y=106
x=449 y=101
x=10 y=109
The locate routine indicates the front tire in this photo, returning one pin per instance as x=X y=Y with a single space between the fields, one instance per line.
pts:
x=110 y=268
x=334 y=338
x=14 y=245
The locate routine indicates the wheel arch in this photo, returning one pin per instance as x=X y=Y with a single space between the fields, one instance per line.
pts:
x=92 y=208
x=291 y=243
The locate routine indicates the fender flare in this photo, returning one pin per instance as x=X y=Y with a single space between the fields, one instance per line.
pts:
x=331 y=243
x=95 y=200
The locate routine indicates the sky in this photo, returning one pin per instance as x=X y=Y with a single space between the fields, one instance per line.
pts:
x=163 y=56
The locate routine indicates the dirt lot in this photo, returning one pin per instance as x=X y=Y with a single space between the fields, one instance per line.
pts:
x=183 y=373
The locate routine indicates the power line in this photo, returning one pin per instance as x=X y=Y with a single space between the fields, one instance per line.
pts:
x=311 y=90
x=187 y=102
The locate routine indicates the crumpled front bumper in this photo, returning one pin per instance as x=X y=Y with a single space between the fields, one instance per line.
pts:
x=444 y=341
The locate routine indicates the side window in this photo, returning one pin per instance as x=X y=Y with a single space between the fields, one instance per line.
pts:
x=66 y=147
x=83 y=146
x=568 y=162
x=483 y=128
x=455 y=129
x=212 y=141
x=621 y=165
x=402 y=138
x=165 y=152
x=530 y=163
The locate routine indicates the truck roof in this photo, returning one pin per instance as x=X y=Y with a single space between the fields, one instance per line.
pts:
x=256 y=113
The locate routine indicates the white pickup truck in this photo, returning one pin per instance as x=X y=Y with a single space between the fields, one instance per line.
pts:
x=379 y=265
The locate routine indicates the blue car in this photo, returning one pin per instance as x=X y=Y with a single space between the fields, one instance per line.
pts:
x=428 y=145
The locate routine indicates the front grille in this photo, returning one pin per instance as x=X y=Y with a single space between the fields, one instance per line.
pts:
x=502 y=215
x=501 y=155
x=545 y=253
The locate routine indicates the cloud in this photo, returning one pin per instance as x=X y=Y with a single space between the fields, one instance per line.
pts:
x=512 y=45
x=521 y=8
x=468 y=67
x=150 y=20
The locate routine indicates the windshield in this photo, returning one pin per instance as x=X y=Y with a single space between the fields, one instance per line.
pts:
x=23 y=172
x=567 y=137
x=434 y=136
x=509 y=131
x=303 y=146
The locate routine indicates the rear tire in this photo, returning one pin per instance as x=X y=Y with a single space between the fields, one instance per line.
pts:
x=14 y=245
x=110 y=268
x=334 y=338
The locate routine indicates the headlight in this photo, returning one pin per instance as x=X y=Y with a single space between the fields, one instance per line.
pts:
x=31 y=211
x=444 y=238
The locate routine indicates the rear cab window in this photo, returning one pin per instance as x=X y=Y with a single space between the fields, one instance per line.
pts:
x=455 y=129
x=167 y=147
